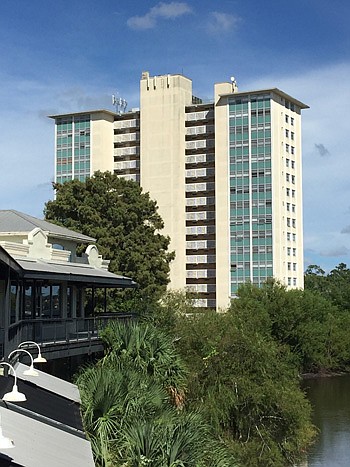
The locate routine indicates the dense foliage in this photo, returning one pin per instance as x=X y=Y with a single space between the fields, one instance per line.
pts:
x=243 y=377
x=129 y=410
x=126 y=224
x=236 y=372
x=334 y=286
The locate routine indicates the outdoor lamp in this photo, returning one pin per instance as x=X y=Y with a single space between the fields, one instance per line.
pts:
x=14 y=395
x=39 y=358
x=5 y=443
x=31 y=371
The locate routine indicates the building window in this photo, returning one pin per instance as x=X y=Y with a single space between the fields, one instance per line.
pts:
x=287 y=147
x=293 y=164
x=288 y=251
x=287 y=118
x=293 y=179
x=288 y=206
x=294 y=281
x=288 y=236
x=292 y=135
x=292 y=121
x=289 y=281
x=294 y=251
x=288 y=221
x=14 y=293
x=287 y=133
x=293 y=193
x=294 y=236
x=48 y=301
x=292 y=149
x=288 y=266
x=294 y=266
x=287 y=162
x=288 y=191
x=287 y=177
x=293 y=207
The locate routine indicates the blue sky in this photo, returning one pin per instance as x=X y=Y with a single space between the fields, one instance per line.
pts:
x=63 y=56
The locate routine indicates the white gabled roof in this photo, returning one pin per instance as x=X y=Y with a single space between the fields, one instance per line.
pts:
x=50 y=383
x=13 y=222
x=38 y=444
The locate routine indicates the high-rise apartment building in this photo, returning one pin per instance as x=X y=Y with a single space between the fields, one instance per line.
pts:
x=226 y=175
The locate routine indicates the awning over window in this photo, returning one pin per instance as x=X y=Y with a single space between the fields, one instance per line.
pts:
x=72 y=272
x=29 y=268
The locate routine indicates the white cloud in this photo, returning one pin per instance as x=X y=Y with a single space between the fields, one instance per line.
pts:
x=335 y=252
x=222 y=22
x=170 y=10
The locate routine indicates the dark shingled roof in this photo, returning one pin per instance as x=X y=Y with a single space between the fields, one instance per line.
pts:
x=12 y=221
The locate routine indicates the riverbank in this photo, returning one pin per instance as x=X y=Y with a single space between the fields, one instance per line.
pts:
x=323 y=374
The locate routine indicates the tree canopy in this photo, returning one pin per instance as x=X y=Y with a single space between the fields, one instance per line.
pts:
x=126 y=224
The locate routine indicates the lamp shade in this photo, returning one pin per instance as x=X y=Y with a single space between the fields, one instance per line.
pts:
x=30 y=372
x=14 y=395
x=40 y=359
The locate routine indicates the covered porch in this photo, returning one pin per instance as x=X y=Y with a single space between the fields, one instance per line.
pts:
x=61 y=306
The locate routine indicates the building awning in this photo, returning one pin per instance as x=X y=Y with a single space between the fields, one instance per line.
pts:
x=47 y=428
x=49 y=382
x=38 y=444
x=72 y=273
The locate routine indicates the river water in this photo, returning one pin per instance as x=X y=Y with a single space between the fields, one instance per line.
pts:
x=330 y=398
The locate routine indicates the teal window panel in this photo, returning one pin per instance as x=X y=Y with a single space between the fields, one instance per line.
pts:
x=267 y=103
x=267 y=119
x=253 y=105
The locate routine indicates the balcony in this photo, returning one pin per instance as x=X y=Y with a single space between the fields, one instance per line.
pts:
x=62 y=337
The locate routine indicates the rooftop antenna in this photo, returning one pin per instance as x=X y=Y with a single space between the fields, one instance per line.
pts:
x=234 y=84
x=120 y=104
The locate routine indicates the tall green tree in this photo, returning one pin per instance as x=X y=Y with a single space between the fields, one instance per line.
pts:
x=126 y=224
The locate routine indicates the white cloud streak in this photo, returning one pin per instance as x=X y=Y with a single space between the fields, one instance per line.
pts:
x=222 y=22
x=166 y=11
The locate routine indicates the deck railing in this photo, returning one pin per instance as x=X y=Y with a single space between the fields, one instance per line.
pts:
x=61 y=331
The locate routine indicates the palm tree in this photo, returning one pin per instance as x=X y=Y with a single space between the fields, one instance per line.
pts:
x=126 y=406
x=150 y=351
x=111 y=398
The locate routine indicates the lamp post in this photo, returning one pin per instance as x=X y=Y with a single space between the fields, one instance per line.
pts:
x=14 y=395
x=39 y=358
x=31 y=371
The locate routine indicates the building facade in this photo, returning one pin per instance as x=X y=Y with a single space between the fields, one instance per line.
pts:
x=48 y=293
x=226 y=176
